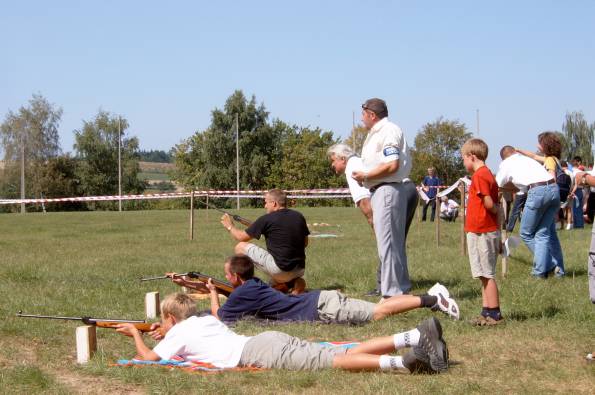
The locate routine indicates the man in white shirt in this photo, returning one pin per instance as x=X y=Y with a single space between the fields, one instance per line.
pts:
x=449 y=209
x=538 y=226
x=208 y=340
x=344 y=161
x=387 y=164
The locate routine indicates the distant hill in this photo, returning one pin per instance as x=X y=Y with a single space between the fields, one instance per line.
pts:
x=155 y=156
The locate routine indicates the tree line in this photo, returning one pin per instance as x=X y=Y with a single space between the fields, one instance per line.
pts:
x=272 y=153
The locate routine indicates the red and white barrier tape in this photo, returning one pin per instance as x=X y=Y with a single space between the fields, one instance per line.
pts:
x=293 y=194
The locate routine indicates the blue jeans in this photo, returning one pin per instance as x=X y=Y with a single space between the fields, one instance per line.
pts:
x=577 y=209
x=538 y=229
x=518 y=205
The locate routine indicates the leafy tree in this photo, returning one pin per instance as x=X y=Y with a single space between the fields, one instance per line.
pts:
x=96 y=146
x=304 y=163
x=33 y=128
x=357 y=138
x=578 y=137
x=208 y=159
x=438 y=144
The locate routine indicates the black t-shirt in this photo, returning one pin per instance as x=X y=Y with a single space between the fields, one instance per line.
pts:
x=285 y=232
x=257 y=299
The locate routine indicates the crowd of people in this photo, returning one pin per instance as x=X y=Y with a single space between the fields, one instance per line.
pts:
x=545 y=189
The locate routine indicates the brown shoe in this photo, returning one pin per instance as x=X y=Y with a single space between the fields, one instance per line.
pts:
x=485 y=321
x=299 y=286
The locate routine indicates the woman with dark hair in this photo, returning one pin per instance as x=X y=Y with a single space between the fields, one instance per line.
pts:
x=550 y=146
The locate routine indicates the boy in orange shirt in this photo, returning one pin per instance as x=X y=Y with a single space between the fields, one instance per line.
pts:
x=483 y=232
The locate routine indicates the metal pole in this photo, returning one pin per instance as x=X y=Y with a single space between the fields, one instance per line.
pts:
x=22 y=171
x=192 y=215
x=477 y=116
x=238 y=161
x=119 y=166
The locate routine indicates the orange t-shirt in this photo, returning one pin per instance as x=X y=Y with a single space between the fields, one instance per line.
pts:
x=478 y=219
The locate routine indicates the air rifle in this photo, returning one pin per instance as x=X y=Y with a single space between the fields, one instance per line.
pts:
x=141 y=325
x=242 y=220
x=224 y=287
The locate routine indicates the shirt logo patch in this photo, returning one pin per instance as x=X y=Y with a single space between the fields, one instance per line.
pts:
x=390 y=151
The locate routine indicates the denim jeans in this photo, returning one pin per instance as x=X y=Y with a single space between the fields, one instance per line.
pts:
x=577 y=209
x=519 y=203
x=538 y=229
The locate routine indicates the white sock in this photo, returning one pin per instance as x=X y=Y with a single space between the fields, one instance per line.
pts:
x=388 y=362
x=406 y=339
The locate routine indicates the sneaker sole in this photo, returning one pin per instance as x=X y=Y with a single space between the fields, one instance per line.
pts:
x=432 y=343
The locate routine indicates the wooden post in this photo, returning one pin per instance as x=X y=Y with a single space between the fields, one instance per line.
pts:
x=207 y=208
x=437 y=219
x=504 y=234
x=86 y=343
x=463 y=212
x=152 y=310
x=192 y=215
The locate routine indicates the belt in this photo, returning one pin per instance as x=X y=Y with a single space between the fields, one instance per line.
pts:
x=542 y=183
x=375 y=187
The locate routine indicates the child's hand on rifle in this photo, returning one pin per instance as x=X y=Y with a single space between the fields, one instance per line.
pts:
x=226 y=221
x=211 y=286
x=127 y=329
x=156 y=333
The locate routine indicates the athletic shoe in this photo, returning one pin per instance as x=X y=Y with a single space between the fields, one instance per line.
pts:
x=421 y=364
x=445 y=303
x=485 y=321
x=430 y=340
x=373 y=293
x=416 y=360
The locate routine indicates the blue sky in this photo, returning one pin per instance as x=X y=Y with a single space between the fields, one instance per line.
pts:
x=166 y=65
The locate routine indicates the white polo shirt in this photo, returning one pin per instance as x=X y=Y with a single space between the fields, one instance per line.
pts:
x=386 y=143
x=522 y=171
x=357 y=192
x=203 y=339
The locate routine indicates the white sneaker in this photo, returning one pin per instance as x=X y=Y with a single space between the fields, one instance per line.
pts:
x=445 y=303
x=569 y=226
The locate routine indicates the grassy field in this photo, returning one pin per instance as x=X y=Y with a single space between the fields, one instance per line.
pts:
x=79 y=264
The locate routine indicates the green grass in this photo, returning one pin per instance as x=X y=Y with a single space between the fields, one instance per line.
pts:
x=153 y=176
x=88 y=264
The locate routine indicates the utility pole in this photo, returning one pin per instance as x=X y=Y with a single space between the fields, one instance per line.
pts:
x=22 y=171
x=477 y=116
x=238 y=161
x=119 y=166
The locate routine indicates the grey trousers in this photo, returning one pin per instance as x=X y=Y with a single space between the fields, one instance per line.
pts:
x=389 y=205
x=412 y=203
x=591 y=267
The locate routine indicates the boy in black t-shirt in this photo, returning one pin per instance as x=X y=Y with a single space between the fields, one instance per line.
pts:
x=286 y=234
x=252 y=297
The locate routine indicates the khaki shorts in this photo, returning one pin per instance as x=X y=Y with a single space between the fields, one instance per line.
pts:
x=483 y=251
x=278 y=350
x=265 y=262
x=333 y=306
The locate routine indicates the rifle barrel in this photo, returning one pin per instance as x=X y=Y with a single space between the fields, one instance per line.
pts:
x=84 y=319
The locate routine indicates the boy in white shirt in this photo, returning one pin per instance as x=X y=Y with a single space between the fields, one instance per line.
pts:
x=206 y=339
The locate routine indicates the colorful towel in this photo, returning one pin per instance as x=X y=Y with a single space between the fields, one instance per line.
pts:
x=203 y=367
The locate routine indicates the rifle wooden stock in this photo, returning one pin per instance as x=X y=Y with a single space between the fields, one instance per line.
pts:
x=146 y=327
x=224 y=287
